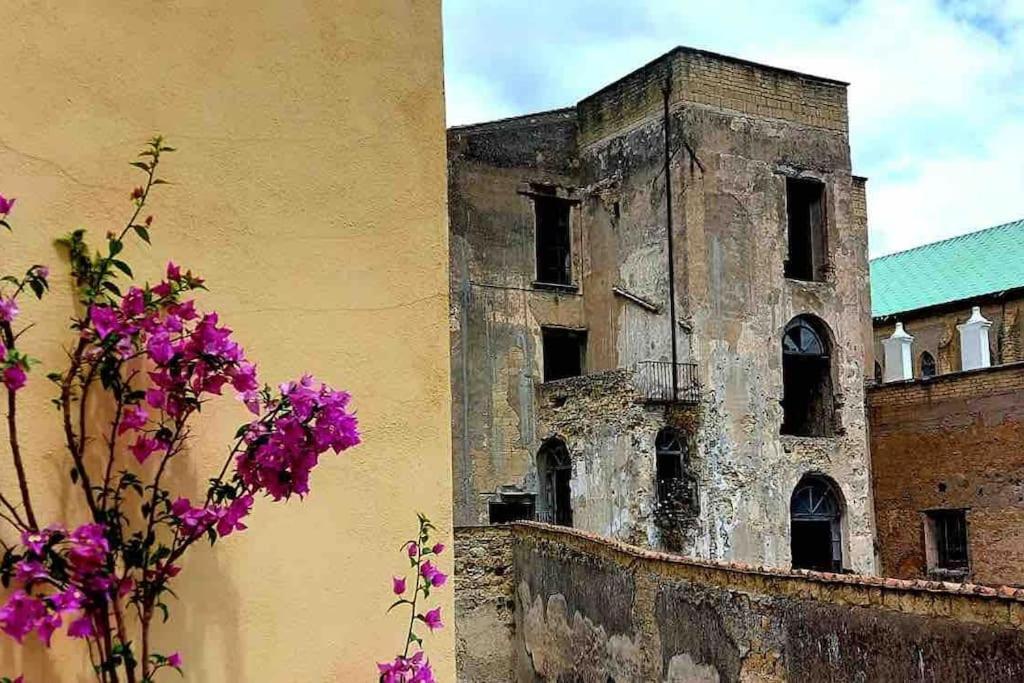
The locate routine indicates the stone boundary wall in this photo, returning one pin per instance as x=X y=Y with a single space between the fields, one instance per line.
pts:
x=484 y=603
x=591 y=609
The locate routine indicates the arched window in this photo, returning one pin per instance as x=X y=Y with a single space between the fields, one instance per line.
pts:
x=554 y=469
x=816 y=513
x=806 y=379
x=927 y=365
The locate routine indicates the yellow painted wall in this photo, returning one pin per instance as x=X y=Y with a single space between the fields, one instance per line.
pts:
x=310 y=191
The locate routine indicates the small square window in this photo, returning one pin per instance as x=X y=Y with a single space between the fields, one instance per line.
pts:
x=564 y=352
x=946 y=540
x=554 y=240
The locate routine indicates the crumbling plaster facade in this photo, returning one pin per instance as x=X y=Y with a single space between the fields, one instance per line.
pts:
x=737 y=131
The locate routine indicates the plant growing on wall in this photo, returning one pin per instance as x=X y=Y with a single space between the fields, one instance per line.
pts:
x=148 y=357
x=415 y=668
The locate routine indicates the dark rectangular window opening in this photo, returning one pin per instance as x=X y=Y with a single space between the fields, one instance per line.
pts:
x=805 y=218
x=554 y=240
x=506 y=511
x=948 y=539
x=564 y=352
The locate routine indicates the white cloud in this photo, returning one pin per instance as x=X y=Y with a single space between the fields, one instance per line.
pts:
x=936 y=101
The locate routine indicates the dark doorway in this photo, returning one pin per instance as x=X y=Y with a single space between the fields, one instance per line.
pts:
x=805 y=218
x=927 y=365
x=564 y=352
x=807 y=401
x=816 y=525
x=554 y=469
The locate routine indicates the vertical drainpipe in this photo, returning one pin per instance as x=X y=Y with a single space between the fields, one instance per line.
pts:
x=666 y=91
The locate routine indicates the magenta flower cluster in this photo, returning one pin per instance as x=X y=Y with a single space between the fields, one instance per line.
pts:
x=85 y=583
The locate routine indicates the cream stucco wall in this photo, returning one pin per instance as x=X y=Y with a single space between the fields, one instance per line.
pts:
x=310 y=191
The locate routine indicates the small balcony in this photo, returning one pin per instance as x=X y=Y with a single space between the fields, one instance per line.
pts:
x=654 y=381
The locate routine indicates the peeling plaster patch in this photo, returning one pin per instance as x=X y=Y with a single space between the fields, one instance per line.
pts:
x=682 y=669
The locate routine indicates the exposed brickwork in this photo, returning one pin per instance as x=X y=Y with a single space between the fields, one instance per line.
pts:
x=951 y=442
x=715 y=81
x=484 y=603
x=593 y=609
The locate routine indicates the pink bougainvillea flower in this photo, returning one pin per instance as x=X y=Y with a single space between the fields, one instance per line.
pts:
x=433 y=619
x=134 y=418
x=3 y=352
x=231 y=516
x=104 y=320
x=432 y=574
x=159 y=348
x=174 y=659
x=173 y=271
x=414 y=669
x=133 y=303
x=6 y=204
x=398 y=584
x=438 y=548
x=8 y=310
x=14 y=377
x=21 y=614
x=155 y=397
x=193 y=520
x=41 y=272
x=28 y=571
x=414 y=550
x=82 y=627
x=144 y=447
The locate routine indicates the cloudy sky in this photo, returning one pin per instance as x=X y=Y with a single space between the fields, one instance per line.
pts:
x=936 y=101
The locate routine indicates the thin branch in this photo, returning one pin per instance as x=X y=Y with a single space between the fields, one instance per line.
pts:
x=12 y=433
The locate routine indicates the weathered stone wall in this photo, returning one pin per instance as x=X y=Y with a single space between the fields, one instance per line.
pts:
x=610 y=431
x=484 y=604
x=590 y=609
x=951 y=442
x=738 y=131
x=934 y=330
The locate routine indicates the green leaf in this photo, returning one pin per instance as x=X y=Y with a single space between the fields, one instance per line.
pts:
x=122 y=266
x=166 y=612
x=141 y=231
x=141 y=164
x=74 y=475
x=112 y=287
x=37 y=287
x=160 y=181
x=115 y=247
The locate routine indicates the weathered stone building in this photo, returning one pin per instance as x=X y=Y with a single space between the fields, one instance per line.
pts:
x=660 y=316
x=947 y=414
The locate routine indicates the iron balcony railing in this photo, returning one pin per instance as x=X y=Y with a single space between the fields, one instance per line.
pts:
x=654 y=381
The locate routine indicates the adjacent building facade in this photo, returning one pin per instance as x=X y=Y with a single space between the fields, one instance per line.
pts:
x=947 y=409
x=660 y=316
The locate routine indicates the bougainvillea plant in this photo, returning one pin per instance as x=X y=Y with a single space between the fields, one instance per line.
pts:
x=415 y=668
x=147 y=354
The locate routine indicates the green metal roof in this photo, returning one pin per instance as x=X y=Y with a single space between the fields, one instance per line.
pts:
x=983 y=262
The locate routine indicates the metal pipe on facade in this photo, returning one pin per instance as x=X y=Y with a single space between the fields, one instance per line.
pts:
x=666 y=91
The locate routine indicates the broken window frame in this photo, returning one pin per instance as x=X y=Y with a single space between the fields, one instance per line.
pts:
x=806 y=347
x=816 y=499
x=554 y=475
x=561 y=363
x=806 y=230
x=553 y=253
x=947 y=542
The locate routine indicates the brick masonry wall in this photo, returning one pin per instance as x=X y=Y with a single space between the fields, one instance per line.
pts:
x=951 y=442
x=716 y=81
x=592 y=609
x=484 y=601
